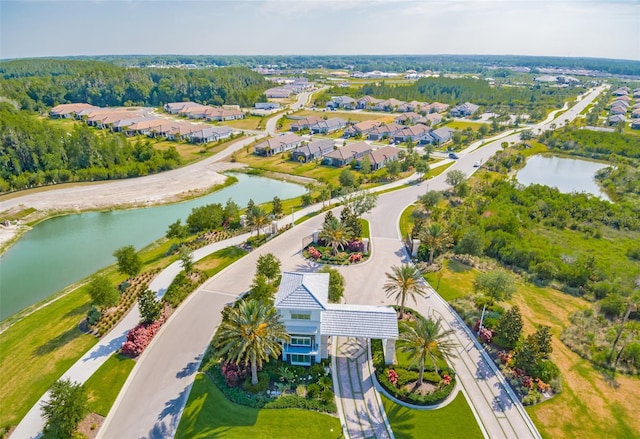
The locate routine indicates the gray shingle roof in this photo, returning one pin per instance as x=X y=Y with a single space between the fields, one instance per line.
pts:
x=359 y=321
x=303 y=291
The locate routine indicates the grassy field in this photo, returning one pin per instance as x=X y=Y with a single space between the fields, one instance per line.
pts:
x=217 y=261
x=104 y=385
x=459 y=125
x=453 y=421
x=209 y=414
x=591 y=406
x=248 y=123
x=37 y=350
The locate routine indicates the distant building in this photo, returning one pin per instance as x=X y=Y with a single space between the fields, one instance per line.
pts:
x=277 y=144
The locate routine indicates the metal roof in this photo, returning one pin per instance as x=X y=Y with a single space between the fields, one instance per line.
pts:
x=359 y=321
x=303 y=291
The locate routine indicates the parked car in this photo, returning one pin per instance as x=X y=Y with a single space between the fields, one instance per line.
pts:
x=453 y=156
x=476 y=164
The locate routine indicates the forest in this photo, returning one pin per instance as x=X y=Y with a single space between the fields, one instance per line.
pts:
x=365 y=63
x=34 y=152
x=37 y=84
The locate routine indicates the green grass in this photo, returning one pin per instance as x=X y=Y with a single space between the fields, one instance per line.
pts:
x=439 y=170
x=209 y=414
x=365 y=228
x=463 y=125
x=453 y=421
x=405 y=221
x=217 y=261
x=37 y=350
x=105 y=384
x=453 y=281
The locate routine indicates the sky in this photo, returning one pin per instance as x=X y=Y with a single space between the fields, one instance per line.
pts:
x=577 y=28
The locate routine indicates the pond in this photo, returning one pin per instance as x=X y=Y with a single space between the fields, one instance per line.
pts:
x=567 y=174
x=63 y=250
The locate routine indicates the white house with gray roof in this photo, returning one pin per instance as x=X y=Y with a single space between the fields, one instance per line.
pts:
x=303 y=303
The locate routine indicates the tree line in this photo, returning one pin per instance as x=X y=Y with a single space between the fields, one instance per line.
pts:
x=40 y=83
x=35 y=153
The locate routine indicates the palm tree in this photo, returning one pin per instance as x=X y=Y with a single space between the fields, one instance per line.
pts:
x=250 y=334
x=405 y=280
x=336 y=234
x=435 y=237
x=258 y=218
x=427 y=340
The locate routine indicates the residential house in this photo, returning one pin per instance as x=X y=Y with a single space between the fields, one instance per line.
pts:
x=622 y=91
x=436 y=107
x=182 y=130
x=346 y=154
x=621 y=103
x=267 y=105
x=624 y=98
x=434 y=118
x=412 y=133
x=303 y=124
x=313 y=150
x=328 y=126
x=381 y=156
x=178 y=107
x=635 y=124
x=388 y=105
x=276 y=145
x=278 y=92
x=464 y=110
x=617 y=109
x=384 y=131
x=361 y=128
x=441 y=135
x=68 y=111
x=210 y=134
x=220 y=114
x=144 y=126
x=196 y=111
x=367 y=102
x=412 y=106
x=122 y=124
x=344 y=102
x=636 y=113
x=407 y=118
x=303 y=305
x=616 y=119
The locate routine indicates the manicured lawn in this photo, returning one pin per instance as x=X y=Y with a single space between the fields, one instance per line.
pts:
x=104 y=385
x=37 y=350
x=209 y=414
x=405 y=221
x=439 y=170
x=453 y=421
x=365 y=228
x=215 y=262
x=455 y=125
x=248 y=123
x=456 y=280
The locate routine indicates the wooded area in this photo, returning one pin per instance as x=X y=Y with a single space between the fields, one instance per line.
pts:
x=35 y=152
x=40 y=83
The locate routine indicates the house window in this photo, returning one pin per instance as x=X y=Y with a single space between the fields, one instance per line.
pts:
x=300 y=341
x=300 y=359
x=300 y=316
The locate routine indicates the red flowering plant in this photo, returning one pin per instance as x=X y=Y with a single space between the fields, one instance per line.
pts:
x=485 y=335
x=392 y=375
x=314 y=253
x=446 y=380
x=355 y=257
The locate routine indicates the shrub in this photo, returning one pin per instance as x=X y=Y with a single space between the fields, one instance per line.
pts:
x=139 y=338
x=355 y=246
x=313 y=390
x=392 y=376
x=314 y=254
x=262 y=386
x=407 y=376
x=93 y=316
x=301 y=391
x=327 y=396
x=233 y=373
x=531 y=398
x=355 y=258
x=485 y=335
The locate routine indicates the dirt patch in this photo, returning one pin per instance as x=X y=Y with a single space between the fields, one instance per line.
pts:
x=91 y=425
x=424 y=389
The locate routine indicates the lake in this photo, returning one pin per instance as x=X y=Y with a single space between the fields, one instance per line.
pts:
x=61 y=251
x=567 y=174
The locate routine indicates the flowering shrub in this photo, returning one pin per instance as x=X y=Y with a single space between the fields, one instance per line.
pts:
x=505 y=357
x=392 y=375
x=313 y=253
x=355 y=246
x=446 y=380
x=355 y=257
x=233 y=374
x=139 y=338
x=527 y=382
x=485 y=335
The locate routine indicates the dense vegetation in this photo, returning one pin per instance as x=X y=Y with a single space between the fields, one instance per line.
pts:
x=40 y=83
x=35 y=153
x=446 y=63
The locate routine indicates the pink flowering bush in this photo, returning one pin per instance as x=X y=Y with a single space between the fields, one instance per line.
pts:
x=392 y=375
x=139 y=338
x=313 y=253
x=446 y=379
x=355 y=257
x=485 y=335
x=234 y=374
